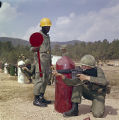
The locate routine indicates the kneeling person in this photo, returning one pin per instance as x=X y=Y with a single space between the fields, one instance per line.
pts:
x=28 y=70
x=91 y=85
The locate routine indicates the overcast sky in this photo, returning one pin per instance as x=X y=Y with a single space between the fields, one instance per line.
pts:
x=86 y=20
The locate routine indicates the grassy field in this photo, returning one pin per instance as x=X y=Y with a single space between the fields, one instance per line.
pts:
x=112 y=74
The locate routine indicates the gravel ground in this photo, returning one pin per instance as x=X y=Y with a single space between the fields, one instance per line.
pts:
x=16 y=103
x=17 y=109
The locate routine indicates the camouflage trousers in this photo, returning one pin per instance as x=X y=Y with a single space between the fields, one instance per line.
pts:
x=98 y=100
x=40 y=83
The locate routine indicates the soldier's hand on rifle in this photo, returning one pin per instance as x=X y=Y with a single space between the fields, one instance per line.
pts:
x=55 y=73
x=83 y=77
x=53 y=67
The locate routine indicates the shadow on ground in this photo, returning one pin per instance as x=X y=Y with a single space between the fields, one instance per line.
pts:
x=109 y=110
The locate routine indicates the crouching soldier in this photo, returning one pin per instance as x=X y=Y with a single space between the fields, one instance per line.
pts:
x=91 y=84
x=28 y=70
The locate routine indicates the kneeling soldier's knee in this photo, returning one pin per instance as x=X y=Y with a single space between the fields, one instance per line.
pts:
x=98 y=114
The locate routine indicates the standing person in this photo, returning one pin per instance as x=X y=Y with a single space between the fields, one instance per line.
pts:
x=91 y=84
x=28 y=69
x=40 y=83
x=64 y=50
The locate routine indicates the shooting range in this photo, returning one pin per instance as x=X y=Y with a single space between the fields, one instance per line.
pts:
x=42 y=44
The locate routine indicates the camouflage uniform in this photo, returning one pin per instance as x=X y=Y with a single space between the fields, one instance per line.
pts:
x=94 y=89
x=29 y=72
x=40 y=83
x=50 y=73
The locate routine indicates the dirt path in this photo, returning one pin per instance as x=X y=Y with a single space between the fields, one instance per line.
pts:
x=16 y=104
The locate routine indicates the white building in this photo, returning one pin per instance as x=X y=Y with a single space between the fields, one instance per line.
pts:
x=55 y=59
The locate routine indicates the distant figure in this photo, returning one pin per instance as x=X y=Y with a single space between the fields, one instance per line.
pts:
x=64 y=50
x=21 y=76
x=5 y=68
x=28 y=70
x=54 y=60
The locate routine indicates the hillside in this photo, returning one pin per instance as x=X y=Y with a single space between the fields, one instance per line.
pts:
x=64 y=43
x=17 y=41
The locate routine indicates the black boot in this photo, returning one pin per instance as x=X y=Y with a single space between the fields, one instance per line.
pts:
x=30 y=81
x=44 y=100
x=73 y=112
x=38 y=101
x=49 y=83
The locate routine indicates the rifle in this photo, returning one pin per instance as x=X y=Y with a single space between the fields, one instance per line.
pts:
x=73 y=72
x=21 y=66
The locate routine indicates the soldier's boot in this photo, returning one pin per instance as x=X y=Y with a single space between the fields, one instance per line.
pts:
x=73 y=112
x=38 y=101
x=44 y=100
x=29 y=82
x=49 y=83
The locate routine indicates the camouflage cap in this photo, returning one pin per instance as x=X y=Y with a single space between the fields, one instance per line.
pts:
x=21 y=54
x=88 y=60
x=27 y=61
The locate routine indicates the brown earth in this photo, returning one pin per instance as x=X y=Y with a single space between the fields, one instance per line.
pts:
x=16 y=100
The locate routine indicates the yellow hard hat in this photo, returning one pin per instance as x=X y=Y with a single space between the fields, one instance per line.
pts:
x=45 y=22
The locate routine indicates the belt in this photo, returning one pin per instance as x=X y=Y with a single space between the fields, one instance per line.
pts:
x=47 y=52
